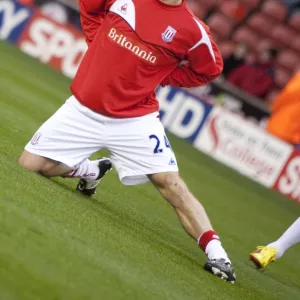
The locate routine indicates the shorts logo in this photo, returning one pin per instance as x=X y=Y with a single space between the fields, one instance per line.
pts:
x=35 y=139
x=172 y=162
x=169 y=34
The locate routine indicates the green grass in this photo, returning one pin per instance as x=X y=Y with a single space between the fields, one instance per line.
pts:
x=126 y=242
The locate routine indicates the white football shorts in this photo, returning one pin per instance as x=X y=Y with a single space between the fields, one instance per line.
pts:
x=138 y=146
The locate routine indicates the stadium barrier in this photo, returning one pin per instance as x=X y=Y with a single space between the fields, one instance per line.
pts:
x=211 y=128
x=234 y=99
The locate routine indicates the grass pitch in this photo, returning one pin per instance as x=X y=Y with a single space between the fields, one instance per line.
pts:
x=126 y=242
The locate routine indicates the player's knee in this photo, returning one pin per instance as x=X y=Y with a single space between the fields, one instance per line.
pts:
x=31 y=162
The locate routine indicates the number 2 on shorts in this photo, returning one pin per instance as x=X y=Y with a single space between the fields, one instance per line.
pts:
x=157 y=149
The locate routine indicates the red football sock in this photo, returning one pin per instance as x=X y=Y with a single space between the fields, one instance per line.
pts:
x=210 y=243
x=207 y=237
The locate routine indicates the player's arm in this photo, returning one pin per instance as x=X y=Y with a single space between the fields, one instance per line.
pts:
x=92 y=13
x=204 y=64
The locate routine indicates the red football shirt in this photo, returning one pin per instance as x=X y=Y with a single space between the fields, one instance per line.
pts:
x=135 y=46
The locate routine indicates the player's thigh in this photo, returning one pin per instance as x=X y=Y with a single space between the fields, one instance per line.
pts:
x=68 y=137
x=140 y=147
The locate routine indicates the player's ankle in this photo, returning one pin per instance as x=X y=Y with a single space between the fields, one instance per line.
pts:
x=210 y=243
x=206 y=237
x=88 y=170
x=279 y=249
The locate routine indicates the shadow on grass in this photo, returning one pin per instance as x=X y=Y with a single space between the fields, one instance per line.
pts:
x=134 y=225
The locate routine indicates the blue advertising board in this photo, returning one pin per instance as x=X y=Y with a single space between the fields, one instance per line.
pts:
x=13 y=19
x=181 y=113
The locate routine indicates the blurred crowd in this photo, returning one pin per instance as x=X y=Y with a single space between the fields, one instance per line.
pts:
x=292 y=6
x=261 y=38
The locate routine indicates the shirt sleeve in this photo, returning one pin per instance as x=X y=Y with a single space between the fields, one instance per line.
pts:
x=92 y=13
x=204 y=63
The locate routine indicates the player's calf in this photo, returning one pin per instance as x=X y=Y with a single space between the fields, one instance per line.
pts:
x=190 y=212
x=196 y=223
x=39 y=164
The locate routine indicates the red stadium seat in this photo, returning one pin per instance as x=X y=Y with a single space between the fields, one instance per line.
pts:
x=251 y=3
x=274 y=9
x=227 y=8
x=282 y=77
x=283 y=35
x=226 y=48
x=245 y=34
x=296 y=42
x=264 y=44
x=216 y=36
x=294 y=21
x=288 y=60
x=199 y=10
x=234 y=10
x=209 y=4
x=260 y=23
x=220 y=24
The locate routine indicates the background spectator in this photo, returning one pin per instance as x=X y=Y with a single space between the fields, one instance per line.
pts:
x=256 y=79
x=236 y=59
x=285 y=118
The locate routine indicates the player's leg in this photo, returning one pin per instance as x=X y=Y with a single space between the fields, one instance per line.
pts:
x=88 y=169
x=290 y=237
x=63 y=143
x=142 y=149
x=195 y=221
x=264 y=255
x=42 y=165
x=190 y=212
